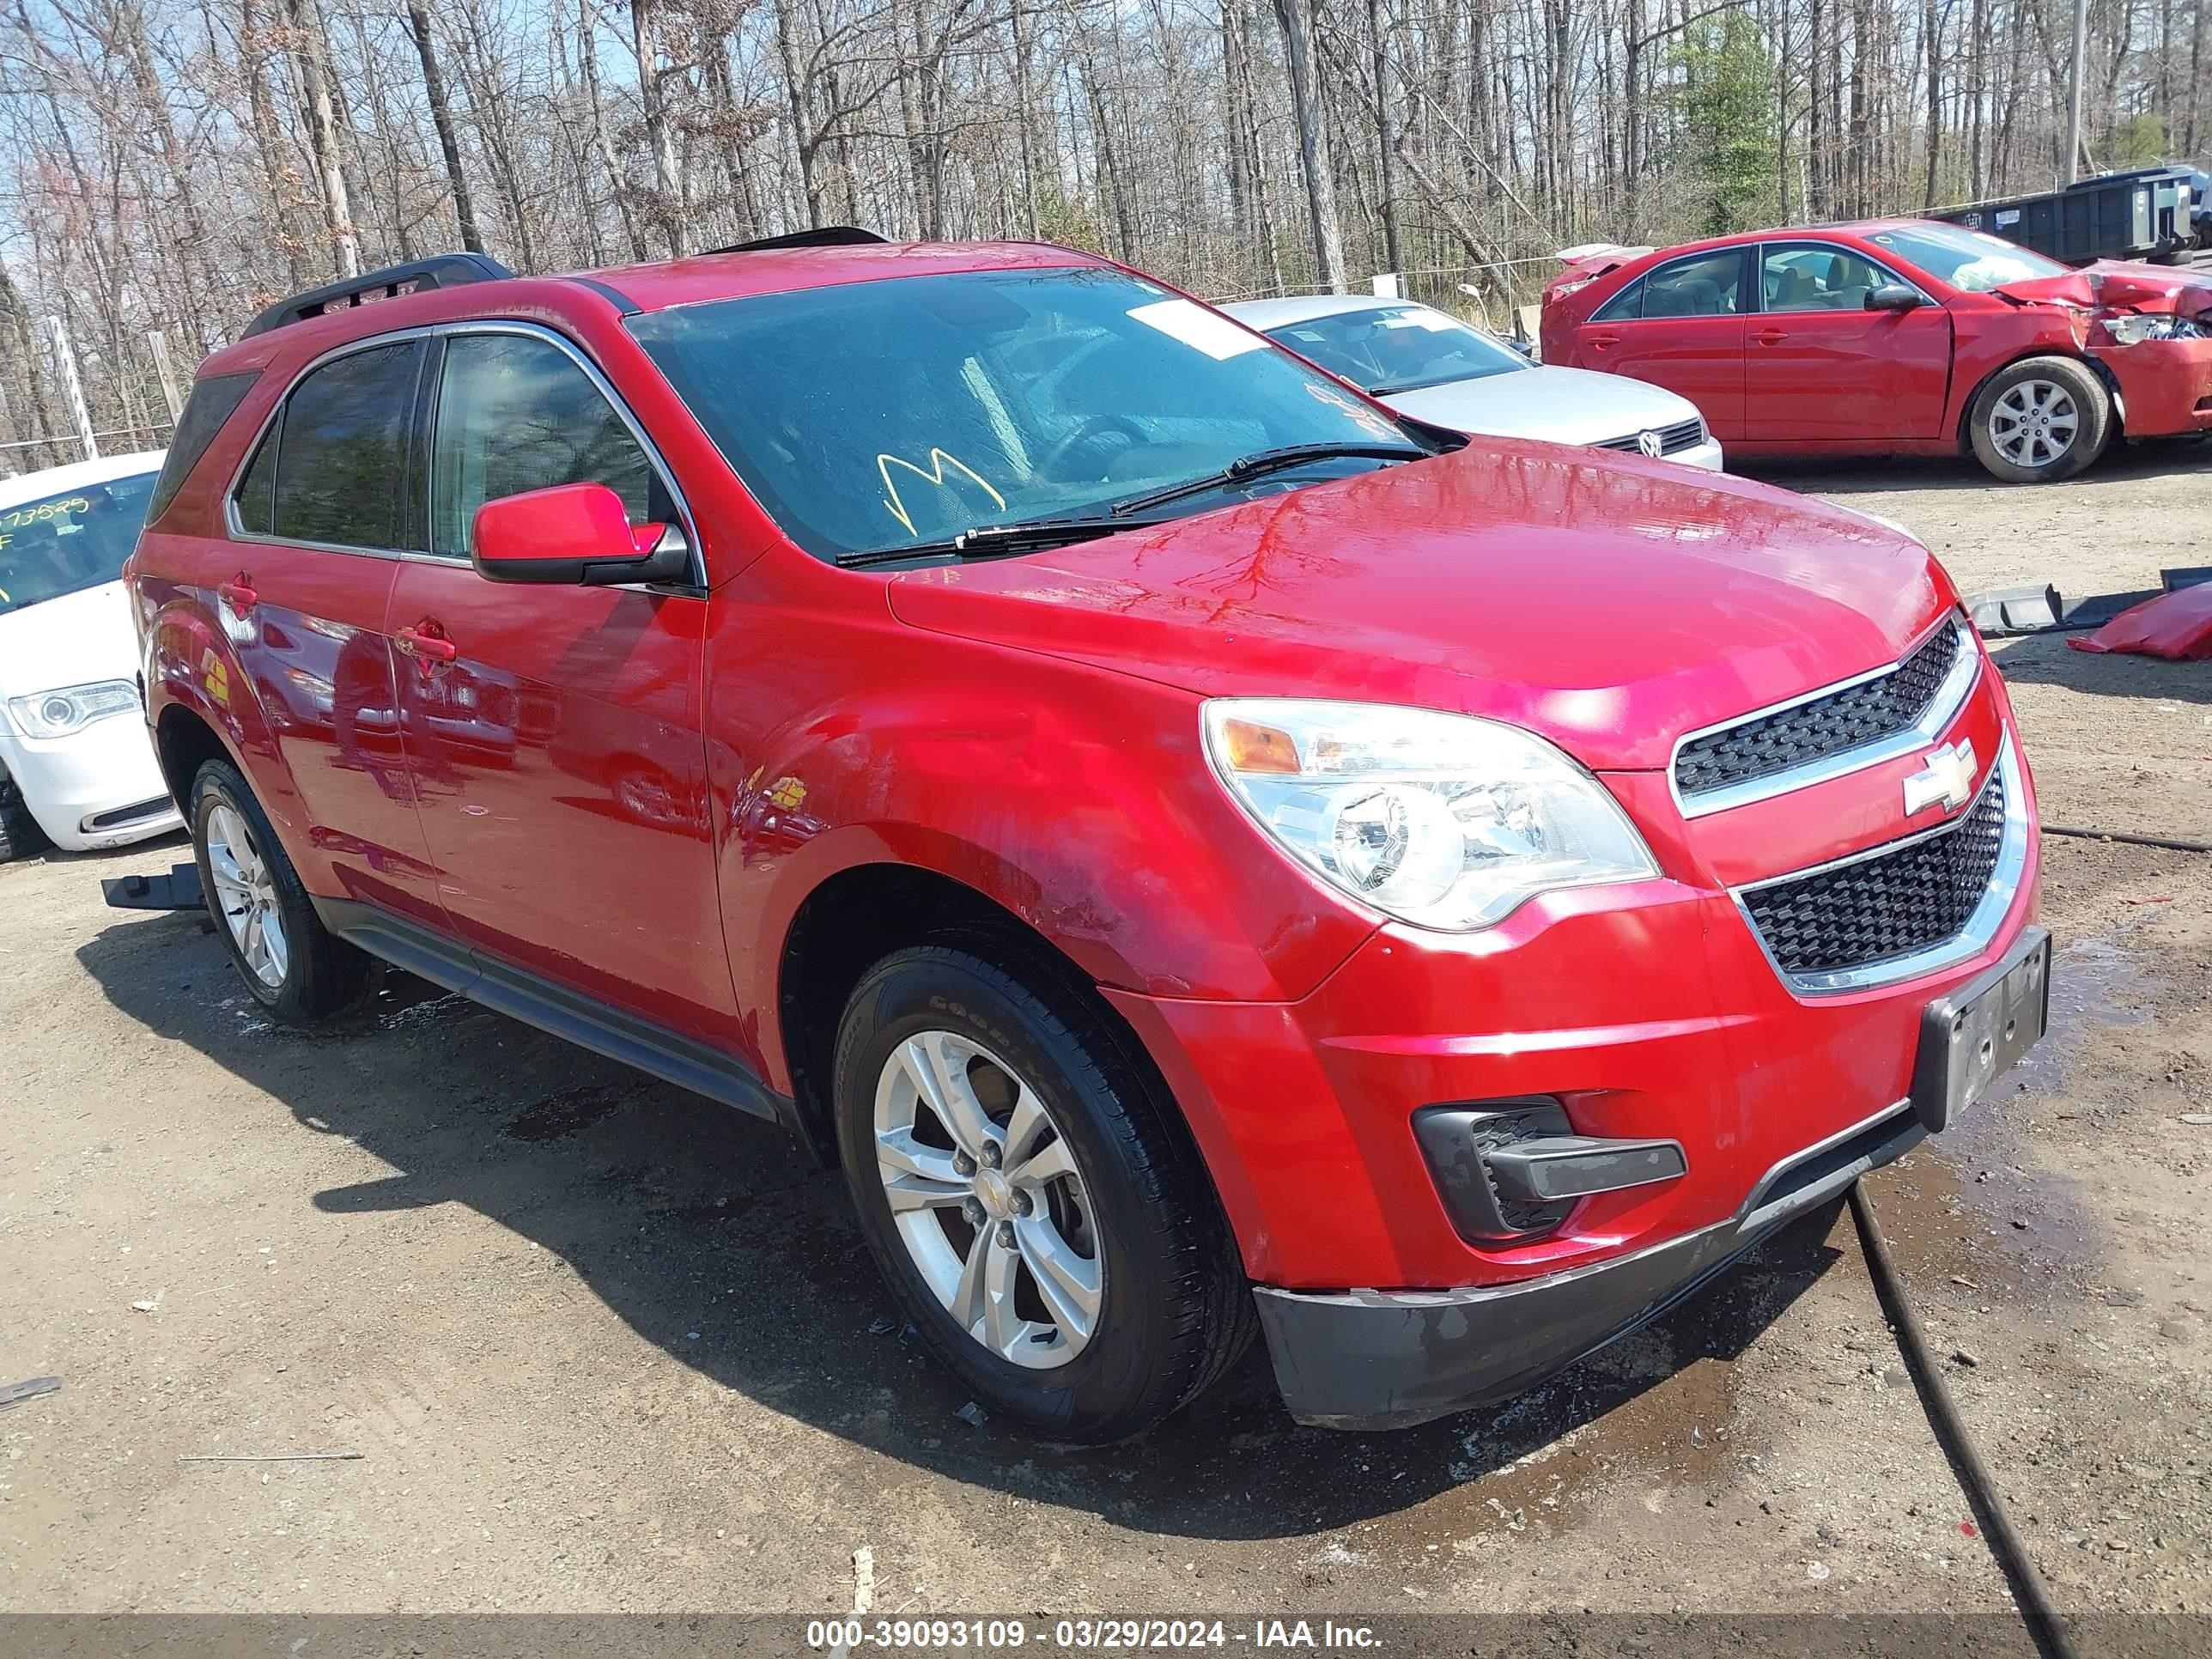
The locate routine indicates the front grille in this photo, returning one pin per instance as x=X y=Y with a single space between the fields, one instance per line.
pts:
x=1834 y=725
x=1893 y=904
x=1673 y=440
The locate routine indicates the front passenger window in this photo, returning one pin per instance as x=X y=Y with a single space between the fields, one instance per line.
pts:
x=1817 y=279
x=516 y=413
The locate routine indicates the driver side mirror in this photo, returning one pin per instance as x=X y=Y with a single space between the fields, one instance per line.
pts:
x=1894 y=296
x=573 y=535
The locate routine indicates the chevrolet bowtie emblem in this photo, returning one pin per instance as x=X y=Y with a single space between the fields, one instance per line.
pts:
x=1946 y=775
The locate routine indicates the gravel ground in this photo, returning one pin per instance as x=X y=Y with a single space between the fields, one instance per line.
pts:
x=600 y=1347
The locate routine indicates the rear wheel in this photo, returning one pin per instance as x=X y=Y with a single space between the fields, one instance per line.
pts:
x=2041 y=420
x=294 y=966
x=1029 y=1200
x=20 y=834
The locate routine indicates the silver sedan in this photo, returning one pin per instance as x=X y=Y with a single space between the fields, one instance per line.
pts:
x=1428 y=364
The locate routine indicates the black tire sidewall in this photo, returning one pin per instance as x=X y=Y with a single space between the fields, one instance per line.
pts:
x=2090 y=398
x=1116 y=1375
x=20 y=835
x=300 y=998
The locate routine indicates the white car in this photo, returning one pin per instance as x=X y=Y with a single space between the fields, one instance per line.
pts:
x=1428 y=364
x=77 y=766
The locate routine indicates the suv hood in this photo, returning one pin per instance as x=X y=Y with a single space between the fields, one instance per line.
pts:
x=71 y=639
x=2109 y=283
x=1610 y=604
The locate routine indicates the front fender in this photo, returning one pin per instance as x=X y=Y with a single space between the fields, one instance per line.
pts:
x=1077 y=799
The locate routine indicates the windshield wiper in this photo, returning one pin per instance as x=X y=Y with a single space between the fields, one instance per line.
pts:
x=1264 y=461
x=998 y=540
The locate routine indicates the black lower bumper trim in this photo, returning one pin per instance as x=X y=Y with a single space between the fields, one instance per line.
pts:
x=1382 y=1359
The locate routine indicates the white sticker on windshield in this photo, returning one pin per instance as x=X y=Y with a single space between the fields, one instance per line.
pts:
x=1194 y=325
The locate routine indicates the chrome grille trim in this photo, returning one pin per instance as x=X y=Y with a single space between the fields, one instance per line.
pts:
x=1673 y=440
x=1950 y=697
x=1980 y=931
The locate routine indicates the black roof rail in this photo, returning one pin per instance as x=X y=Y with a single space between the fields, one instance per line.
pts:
x=440 y=271
x=820 y=236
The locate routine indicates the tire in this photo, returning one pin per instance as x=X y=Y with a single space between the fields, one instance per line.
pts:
x=2041 y=420
x=297 y=969
x=20 y=834
x=1105 y=1343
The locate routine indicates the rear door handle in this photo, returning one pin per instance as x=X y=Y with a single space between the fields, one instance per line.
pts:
x=427 y=647
x=1599 y=342
x=238 y=594
x=1770 y=336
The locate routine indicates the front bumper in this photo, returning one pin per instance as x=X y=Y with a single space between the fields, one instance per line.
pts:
x=1706 y=455
x=1389 y=1360
x=2165 y=386
x=99 y=787
x=1647 y=1012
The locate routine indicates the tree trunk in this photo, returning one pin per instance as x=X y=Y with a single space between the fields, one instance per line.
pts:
x=1313 y=145
x=441 y=117
x=661 y=133
x=323 y=137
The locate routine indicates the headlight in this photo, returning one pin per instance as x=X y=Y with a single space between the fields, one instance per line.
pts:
x=1442 y=820
x=2134 y=329
x=57 y=714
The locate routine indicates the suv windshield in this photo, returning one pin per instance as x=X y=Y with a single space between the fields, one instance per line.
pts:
x=1397 y=347
x=871 y=414
x=1966 y=259
x=63 y=544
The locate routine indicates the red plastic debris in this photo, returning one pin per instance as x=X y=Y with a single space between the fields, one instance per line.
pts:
x=1967 y=1527
x=2176 y=625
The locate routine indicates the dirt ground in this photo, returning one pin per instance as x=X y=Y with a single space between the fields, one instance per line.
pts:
x=602 y=1346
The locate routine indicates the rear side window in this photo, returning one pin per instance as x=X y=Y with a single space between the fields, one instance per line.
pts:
x=1624 y=305
x=516 y=413
x=339 y=471
x=1703 y=285
x=214 y=400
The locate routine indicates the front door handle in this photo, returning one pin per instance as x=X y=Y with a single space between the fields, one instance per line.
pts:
x=427 y=647
x=1770 y=336
x=238 y=594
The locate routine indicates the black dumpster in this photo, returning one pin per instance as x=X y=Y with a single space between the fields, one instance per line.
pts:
x=2146 y=213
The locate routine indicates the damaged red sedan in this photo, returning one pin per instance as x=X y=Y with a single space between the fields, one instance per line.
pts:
x=1897 y=338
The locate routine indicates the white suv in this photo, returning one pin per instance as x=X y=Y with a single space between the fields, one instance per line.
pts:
x=76 y=766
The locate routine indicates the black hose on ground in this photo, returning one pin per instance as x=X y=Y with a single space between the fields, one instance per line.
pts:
x=2131 y=839
x=1973 y=1475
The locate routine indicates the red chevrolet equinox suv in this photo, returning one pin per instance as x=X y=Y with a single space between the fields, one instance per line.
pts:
x=1202 y=852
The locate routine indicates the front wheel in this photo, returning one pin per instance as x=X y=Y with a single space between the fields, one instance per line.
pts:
x=1030 y=1200
x=2041 y=420
x=294 y=967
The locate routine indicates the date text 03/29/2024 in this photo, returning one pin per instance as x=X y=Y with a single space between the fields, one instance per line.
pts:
x=1085 y=1635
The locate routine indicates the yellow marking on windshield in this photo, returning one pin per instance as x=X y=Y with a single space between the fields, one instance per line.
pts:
x=934 y=474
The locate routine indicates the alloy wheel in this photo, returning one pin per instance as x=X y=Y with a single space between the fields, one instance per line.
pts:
x=2034 y=423
x=246 y=892
x=986 y=1196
